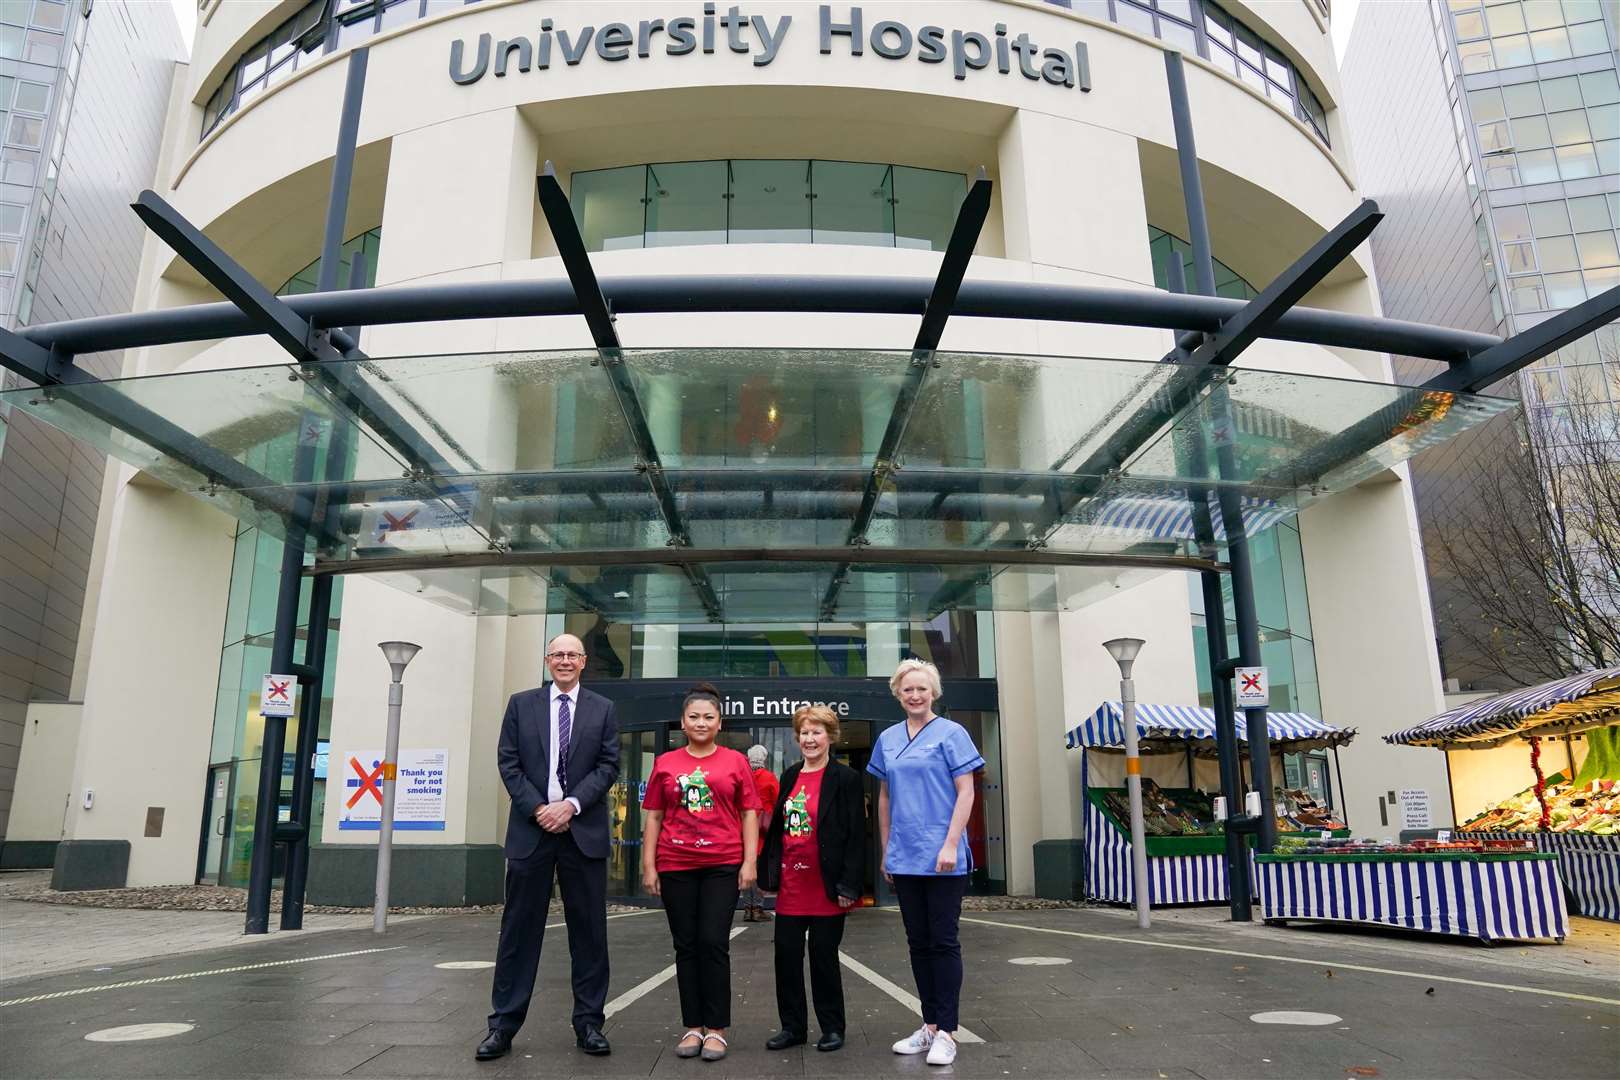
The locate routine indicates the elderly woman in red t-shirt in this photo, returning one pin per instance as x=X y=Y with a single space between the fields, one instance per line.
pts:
x=698 y=852
x=815 y=858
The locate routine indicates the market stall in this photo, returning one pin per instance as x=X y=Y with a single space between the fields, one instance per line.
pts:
x=1487 y=889
x=1542 y=765
x=1185 y=844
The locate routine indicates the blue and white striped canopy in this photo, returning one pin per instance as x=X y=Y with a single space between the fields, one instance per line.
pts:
x=1106 y=726
x=1503 y=714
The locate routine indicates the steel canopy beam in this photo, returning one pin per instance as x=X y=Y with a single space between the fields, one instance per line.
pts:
x=593 y=306
x=947 y=283
x=1491 y=365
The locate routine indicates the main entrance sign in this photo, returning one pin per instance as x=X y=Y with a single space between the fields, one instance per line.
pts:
x=756 y=36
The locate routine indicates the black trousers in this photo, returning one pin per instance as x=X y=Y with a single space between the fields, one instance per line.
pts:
x=699 y=905
x=931 y=908
x=523 y=929
x=826 y=986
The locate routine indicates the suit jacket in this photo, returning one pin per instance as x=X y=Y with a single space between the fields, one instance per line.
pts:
x=524 y=758
x=840 y=832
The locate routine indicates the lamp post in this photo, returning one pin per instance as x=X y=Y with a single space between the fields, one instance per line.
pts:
x=1124 y=651
x=398 y=654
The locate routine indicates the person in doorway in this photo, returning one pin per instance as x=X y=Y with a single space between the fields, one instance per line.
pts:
x=558 y=755
x=699 y=850
x=925 y=767
x=815 y=853
x=765 y=785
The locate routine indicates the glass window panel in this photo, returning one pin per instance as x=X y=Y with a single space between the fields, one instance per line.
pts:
x=51 y=16
x=686 y=203
x=26 y=131
x=1495 y=136
x=1597 y=249
x=32 y=97
x=398 y=14
x=1569 y=127
x=1470 y=25
x=853 y=203
x=254 y=62
x=12 y=218
x=1505 y=19
x=1522 y=99
x=1561 y=94
x=1475 y=56
x=1519 y=258
x=1527 y=294
x=1253 y=77
x=8 y=256
x=12 y=39
x=1600 y=87
x=43 y=48
x=1462 y=5
x=1547 y=45
x=1486 y=105
x=1557 y=254
x=1586 y=384
x=1277 y=68
x=1096 y=9
x=1577 y=11
x=1217 y=25
x=1537 y=167
x=770 y=202
x=1531 y=133
x=1613 y=371
x=1513 y=51
x=1578 y=161
x=1501 y=171
x=1598 y=281
x=1564 y=290
x=1588 y=39
x=610 y=207
x=1549 y=218
x=1512 y=223
x=19 y=166
x=1608 y=156
x=1549 y=386
x=1181 y=9
x=1604 y=120
x=1133 y=18
x=1588 y=213
x=1248 y=44
x=436 y=6
x=1542 y=14
x=1223 y=58
x=355 y=32
x=925 y=205
x=1182 y=37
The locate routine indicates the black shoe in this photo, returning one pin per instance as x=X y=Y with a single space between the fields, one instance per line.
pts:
x=784 y=1039
x=830 y=1040
x=495 y=1045
x=593 y=1042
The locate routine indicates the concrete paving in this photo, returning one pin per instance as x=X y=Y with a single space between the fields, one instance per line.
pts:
x=1070 y=993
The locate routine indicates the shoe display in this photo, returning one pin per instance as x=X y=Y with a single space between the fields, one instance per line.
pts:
x=593 y=1042
x=495 y=1045
x=943 y=1051
x=916 y=1043
x=830 y=1040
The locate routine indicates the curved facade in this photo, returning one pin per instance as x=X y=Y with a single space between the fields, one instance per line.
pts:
x=779 y=138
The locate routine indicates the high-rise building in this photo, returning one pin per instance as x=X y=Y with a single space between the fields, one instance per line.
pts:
x=84 y=93
x=1489 y=132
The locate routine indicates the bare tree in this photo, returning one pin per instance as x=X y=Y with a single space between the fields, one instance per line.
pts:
x=1530 y=561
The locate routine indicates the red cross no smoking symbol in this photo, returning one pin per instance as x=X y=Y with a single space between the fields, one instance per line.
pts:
x=401 y=523
x=369 y=781
x=1251 y=683
x=278 y=690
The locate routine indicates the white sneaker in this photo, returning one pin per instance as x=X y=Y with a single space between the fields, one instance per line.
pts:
x=943 y=1050
x=917 y=1042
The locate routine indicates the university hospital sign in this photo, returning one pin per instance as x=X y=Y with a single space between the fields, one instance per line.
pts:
x=759 y=37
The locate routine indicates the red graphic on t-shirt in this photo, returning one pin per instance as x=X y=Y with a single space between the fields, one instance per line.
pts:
x=703 y=799
x=803 y=892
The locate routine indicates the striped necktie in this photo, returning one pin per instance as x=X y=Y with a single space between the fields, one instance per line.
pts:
x=565 y=728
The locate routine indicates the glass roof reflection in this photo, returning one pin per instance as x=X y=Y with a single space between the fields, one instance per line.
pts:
x=530 y=481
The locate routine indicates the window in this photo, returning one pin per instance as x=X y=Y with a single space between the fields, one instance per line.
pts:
x=32 y=97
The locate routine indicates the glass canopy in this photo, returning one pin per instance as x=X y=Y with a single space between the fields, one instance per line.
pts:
x=671 y=485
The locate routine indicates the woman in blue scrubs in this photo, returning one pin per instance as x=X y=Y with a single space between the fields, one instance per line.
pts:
x=926 y=767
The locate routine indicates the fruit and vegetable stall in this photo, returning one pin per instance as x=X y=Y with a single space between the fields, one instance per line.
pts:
x=1561 y=795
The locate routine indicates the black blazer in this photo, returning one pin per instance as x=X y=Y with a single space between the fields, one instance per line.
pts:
x=840 y=832
x=524 y=758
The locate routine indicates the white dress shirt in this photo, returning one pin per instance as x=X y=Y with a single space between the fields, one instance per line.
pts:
x=553 y=788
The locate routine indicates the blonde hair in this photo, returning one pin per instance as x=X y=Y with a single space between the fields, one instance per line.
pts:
x=911 y=665
x=816 y=714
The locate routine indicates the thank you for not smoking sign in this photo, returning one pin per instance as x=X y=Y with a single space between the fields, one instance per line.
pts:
x=278 y=696
x=419 y=800
x=1253 y=688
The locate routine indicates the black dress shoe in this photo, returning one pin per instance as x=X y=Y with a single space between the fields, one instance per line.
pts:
x=592 y=1041
x=495 y=1045
x=784 y=1039
x=830 y=1040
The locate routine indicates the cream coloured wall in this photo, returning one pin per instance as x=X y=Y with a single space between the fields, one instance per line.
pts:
x=45 y=771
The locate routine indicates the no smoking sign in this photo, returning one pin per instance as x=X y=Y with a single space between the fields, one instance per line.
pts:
x=1253 y=688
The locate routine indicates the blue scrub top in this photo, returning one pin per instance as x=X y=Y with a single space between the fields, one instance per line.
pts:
x=921 y=774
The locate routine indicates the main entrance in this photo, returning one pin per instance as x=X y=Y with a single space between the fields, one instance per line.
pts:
x=758 y=712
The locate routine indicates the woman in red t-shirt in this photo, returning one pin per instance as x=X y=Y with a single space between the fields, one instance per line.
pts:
x=815 y=858
x=698 y=852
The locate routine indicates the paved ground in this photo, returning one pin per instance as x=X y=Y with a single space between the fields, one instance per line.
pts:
x=1109 y=1001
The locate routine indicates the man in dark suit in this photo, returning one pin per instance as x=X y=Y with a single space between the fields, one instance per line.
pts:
x=558 y=756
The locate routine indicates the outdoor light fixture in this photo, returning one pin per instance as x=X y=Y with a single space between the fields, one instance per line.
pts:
x=1124 y=651
x=398 y=654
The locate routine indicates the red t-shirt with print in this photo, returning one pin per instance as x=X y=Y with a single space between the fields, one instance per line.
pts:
x=703 y=799
x=803 y=892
